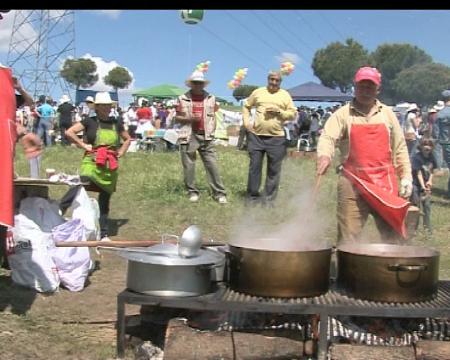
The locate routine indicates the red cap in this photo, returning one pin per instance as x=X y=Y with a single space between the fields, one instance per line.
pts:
x=368 y=73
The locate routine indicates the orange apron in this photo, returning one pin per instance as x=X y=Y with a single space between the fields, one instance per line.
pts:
x=369 y=168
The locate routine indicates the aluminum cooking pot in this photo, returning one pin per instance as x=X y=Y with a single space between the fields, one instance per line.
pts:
x=384 y=272
x=279 y=270
x=160 y=271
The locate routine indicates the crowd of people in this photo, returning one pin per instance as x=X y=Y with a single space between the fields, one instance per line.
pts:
x=416 y=141
x=50 y=119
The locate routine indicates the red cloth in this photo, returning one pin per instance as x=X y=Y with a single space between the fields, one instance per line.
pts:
x=369 y=167
x=7 y=144
x=197 y=109
x=105 y=156
x=144 y=113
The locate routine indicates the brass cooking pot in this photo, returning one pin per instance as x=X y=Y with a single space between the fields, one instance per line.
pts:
x=385 y=272
x=271 y=271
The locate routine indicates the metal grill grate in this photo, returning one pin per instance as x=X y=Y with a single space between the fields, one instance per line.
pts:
x=335 y=299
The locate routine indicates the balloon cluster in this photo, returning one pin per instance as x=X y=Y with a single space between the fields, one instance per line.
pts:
x=287 y=68
x=239 y=75
x=203 y=66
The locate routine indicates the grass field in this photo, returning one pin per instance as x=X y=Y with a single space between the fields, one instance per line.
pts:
x=151 y=200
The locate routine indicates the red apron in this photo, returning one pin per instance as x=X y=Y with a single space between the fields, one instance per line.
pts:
x=7 y=144
x=369 y=168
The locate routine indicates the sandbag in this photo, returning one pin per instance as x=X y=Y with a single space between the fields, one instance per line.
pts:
x=72 y=262
x=31 y=263
x=86 y=209
x=43 y=212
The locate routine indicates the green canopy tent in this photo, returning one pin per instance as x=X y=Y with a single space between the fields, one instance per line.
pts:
x=163 y=91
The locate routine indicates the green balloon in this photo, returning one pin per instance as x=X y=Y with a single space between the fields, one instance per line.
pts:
x=192 y=17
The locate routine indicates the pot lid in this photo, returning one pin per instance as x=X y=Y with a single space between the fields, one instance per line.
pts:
x=388 y=250
x=279 y=244
x=167 y=254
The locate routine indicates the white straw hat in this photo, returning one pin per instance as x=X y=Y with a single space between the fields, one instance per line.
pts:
x=197 y=76
x=103 y=98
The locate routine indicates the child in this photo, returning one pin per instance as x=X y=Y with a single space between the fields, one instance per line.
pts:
x=423 y=164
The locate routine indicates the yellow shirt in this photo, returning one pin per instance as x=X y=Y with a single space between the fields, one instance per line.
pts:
x=337 y=131
x=269 y=124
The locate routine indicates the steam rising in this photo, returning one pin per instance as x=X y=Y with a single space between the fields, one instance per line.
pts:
x=301 y=226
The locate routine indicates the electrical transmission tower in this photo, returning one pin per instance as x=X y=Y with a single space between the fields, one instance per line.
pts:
x=40 y=42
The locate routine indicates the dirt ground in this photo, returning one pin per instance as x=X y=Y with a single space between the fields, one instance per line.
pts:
x=64 y=325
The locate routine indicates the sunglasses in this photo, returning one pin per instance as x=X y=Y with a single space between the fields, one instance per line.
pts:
x=197 y=82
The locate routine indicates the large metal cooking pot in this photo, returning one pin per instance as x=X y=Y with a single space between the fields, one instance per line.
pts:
x=269 y=267
x=384 y=272
x=160 y=271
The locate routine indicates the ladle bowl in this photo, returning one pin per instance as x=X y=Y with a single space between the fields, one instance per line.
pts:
x=190 y=242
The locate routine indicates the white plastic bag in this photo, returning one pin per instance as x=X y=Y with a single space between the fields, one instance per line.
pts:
x=30 y=260
x=86 y=209
x=44 y=212
x=72 y=262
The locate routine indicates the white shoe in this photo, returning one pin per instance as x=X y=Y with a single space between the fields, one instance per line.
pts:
x=105 y=238
x=193 y=197
x=222 y=200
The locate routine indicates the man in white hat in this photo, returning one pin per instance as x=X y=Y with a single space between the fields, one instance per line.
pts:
x=65 y=114
x=442 y=131
x=196 y=113
x=99 y=167
x=89 y=107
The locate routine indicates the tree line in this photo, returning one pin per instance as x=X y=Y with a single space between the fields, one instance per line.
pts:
x=408 y=73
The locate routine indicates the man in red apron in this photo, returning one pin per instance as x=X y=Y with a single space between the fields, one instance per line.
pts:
x=373 y=153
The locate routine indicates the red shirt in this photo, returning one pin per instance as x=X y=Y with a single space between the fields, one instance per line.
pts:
x=197 y=109
x=144 y=113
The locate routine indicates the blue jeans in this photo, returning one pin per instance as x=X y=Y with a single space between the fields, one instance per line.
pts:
x=45 y=124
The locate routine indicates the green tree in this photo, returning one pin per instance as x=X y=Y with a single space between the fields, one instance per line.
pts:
x=422 y=83
x=118 y=78
x=336 y=64
x=390 y=60
x=243 y=91
x=80 y=72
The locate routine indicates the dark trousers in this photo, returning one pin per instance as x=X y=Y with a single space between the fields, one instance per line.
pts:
x=132 y=131
x=275 y=149
x=3 y=255
x=103 y=204
x=62 y=128
x=424 y=203
x=446 y=152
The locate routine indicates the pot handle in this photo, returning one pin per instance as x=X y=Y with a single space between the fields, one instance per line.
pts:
x=165 y=237
x=401 y=267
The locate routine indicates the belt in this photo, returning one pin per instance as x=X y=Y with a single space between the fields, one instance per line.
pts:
x=199 y=132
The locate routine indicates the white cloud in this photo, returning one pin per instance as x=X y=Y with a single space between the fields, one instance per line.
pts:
x=103 y=68
x=286 y=56
x=6 y=26
x=112 y=14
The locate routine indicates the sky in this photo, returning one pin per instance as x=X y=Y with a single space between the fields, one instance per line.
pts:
x=157 y=47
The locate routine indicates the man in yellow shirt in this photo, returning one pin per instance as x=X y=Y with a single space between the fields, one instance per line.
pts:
x=274 y=106
x=373 y=153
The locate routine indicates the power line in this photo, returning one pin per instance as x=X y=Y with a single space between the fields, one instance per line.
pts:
x=293 y=34
x=281 y=36
x=272 y=30
x=310 y=27
x=332 y=26
x=251 y=31
x=233 y=47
